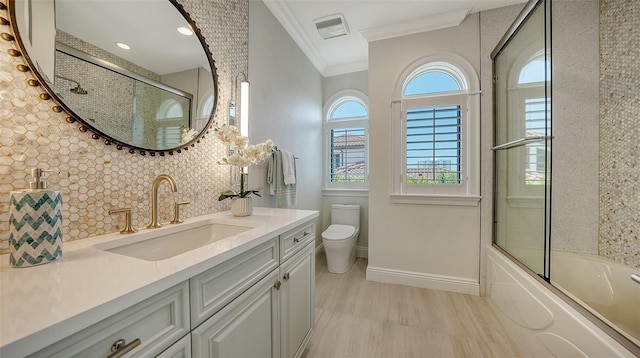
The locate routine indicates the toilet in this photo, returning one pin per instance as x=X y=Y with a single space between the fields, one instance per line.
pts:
x=341 y=236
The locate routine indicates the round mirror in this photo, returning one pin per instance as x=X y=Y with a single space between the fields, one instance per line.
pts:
x=136 y=73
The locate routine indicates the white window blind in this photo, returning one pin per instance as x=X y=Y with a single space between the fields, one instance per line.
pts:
x=433 y=145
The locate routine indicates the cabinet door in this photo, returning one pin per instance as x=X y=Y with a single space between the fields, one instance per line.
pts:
x=297 y=302
x=246 y=327
x=180 y=349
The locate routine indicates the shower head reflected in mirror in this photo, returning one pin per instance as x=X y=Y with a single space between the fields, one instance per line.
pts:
x=77 y=89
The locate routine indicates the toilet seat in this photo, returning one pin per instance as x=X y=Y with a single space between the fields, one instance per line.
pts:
x=337 y=232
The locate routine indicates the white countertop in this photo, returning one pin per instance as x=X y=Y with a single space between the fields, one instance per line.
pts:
x=43 y=304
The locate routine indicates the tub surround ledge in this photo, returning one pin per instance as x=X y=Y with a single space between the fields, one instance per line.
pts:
x=44 y=304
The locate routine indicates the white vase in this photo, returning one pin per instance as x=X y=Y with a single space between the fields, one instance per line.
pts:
x=241 y=206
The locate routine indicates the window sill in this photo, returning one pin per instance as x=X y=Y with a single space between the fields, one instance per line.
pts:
x=346 y=192
x=447 y=200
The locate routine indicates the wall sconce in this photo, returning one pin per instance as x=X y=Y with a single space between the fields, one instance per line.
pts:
x=244 y=108
x=243 y=122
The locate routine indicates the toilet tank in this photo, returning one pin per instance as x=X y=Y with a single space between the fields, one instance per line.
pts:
x=346 y=214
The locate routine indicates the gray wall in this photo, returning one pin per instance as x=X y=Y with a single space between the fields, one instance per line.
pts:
x=285 y=106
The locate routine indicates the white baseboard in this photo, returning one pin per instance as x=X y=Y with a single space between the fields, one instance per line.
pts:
x=416 y=279
x=361 y=251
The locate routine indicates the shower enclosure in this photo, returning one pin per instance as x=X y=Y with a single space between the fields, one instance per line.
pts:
x=546 y=211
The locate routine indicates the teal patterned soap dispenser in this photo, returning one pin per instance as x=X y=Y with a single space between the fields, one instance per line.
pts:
x=35 y=223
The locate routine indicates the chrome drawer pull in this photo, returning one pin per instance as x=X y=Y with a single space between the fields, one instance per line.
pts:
x=120 y=347
x=635 y=278
x=296 y=240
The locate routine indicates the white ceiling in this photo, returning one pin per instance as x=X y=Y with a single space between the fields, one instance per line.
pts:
x=368 y=20
x=148 y=26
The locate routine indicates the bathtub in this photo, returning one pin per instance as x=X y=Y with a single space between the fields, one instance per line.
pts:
x=542 y=323
x=601 y=285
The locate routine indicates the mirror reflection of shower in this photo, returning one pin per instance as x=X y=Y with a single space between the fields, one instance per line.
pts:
x=77 y=89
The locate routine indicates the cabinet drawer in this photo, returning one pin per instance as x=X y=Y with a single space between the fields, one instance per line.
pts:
x=215 y=288
x=294 y=240
x=158 y=322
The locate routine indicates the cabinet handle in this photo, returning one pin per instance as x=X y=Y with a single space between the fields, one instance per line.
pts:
x=120 y=347
x=277 y=286
x=286 y=276
x=297 y=240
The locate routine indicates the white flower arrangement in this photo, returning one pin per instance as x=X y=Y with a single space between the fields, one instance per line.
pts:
x=242 y=155
x=187 y=134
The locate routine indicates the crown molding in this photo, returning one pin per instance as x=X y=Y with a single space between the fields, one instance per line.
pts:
x=423 y=24
x=286 y=18
x=346 y=68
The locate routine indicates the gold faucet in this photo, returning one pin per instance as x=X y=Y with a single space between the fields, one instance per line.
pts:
x=154 y=197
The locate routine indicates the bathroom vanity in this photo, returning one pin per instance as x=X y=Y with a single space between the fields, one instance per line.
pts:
x=244 y=287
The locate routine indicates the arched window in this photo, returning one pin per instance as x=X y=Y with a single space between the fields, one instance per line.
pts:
x=528 y=90
x=169 y=118
x=437 y=133
x=346 y=117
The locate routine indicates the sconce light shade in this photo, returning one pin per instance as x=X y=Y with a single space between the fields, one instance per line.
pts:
x=244 y=108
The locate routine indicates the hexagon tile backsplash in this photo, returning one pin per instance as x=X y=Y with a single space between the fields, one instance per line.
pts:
x=95 y=177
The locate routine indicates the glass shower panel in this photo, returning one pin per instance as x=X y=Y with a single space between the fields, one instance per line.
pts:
x=522 y=145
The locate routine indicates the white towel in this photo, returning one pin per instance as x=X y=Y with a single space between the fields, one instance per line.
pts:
x=285 y=194
x=288 y=167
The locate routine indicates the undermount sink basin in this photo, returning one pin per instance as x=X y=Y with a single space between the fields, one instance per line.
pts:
x=168 y=242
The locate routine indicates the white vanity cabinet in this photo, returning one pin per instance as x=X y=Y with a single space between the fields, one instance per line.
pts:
x=180 y=349
x=157 y=322
x=246 y=327
x=297 y=304
x=256 y=303
x=274 y=317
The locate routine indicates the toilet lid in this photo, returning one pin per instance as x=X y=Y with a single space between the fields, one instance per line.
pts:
x=338 y=232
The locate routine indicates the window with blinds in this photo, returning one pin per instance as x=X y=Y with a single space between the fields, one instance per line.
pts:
x=433 y=141
x=436 y=153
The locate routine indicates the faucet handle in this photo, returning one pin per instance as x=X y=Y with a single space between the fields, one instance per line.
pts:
x=176 y=212
x=128 y=228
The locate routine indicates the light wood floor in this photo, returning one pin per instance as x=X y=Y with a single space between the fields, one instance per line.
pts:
x=359 y=318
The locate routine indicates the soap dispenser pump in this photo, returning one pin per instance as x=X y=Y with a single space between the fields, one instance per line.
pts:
x=35 y=223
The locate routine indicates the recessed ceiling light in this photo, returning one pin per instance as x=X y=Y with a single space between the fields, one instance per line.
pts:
x=332 y=26
x=185 y=31
x=123 y=45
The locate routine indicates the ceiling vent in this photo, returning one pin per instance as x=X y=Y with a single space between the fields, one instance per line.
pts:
x=332 y=26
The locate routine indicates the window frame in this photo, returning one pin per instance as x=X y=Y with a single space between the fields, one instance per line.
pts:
x=331 y=105
x=467 y=193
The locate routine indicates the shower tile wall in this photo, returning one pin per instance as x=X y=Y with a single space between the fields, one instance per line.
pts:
x=620 y=131
x=94 y=177
x=575 y=126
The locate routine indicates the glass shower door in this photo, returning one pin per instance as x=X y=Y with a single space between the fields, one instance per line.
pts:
x=522 y=151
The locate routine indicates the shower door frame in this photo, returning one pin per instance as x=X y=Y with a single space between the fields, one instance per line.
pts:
x=545 y=278
x=522 y=17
